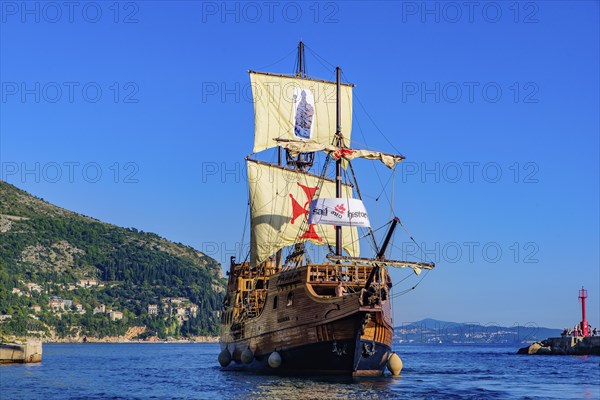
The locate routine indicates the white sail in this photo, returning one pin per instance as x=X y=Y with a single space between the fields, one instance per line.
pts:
x=344 y=153
x=279 y=208
x=298 y=109
x=417 y=267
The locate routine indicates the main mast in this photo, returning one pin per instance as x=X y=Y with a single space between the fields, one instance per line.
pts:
x=338 y=163
x=301 y=71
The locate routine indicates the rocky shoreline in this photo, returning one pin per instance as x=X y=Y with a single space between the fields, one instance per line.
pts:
x=153 y=339
x=131 y=336
x=564 y=346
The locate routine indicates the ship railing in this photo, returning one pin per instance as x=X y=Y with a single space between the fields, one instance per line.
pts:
x=331 y=274
x=244 y=270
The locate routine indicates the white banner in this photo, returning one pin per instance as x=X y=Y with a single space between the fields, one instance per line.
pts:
x=343 y=212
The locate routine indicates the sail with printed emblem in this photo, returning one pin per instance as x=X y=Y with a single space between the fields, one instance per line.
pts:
x=296 y=108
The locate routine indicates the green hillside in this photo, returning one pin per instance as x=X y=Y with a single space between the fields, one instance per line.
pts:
x=62 y=273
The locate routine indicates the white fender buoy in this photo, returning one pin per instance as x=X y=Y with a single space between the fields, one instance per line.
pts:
x=247 y=356
x=274 y=360
x=224 y=357
x=394 y=364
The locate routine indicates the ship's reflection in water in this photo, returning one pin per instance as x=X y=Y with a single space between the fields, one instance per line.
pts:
x=313 y=387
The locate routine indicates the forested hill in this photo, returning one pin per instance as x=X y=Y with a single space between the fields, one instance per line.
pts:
x=63 y=274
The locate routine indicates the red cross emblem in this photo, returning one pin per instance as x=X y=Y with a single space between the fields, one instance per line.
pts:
x=302 y=210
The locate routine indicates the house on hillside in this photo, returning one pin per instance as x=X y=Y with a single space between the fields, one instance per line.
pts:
x=101 y=309
x=87 y=283
x=33 y=287
x=193 y=310
x=115 y=315
x=179 y=300
x=152 y=309
x=56 y=303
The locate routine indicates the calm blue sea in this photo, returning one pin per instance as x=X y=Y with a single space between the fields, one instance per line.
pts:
x=190 y=371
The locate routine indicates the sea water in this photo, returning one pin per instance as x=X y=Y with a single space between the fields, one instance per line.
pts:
x=191 y=371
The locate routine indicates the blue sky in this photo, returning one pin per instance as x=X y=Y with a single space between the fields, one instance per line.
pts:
x=140 y=115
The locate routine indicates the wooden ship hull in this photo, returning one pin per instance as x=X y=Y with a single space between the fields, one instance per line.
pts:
x=313 y=330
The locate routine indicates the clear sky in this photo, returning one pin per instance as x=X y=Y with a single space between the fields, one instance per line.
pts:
x=139 y=114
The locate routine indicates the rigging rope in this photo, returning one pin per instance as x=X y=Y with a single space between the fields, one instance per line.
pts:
x=319 y=58
x=383 y=187
x=244 y=232
x=278 y=61
x=402 y=293
x=368 y=233
x=371 y=119
x=396 y=295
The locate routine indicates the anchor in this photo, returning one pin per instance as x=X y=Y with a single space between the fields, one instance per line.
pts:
x=338 y=351
x=367 y=352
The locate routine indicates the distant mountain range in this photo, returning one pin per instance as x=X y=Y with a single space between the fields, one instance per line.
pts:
x=435 y=331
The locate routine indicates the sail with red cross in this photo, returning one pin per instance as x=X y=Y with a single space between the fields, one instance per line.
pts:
x=303 y=210
x=280 y=202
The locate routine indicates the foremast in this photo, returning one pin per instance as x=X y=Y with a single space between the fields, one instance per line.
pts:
x=338 y=163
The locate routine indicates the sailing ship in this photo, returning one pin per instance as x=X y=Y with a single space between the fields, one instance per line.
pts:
x=290 y=315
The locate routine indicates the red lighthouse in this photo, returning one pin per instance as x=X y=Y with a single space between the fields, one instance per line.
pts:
x=583 y=325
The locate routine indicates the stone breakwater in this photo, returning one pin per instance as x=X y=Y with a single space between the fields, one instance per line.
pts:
x=28 y=352
x=564 y=346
